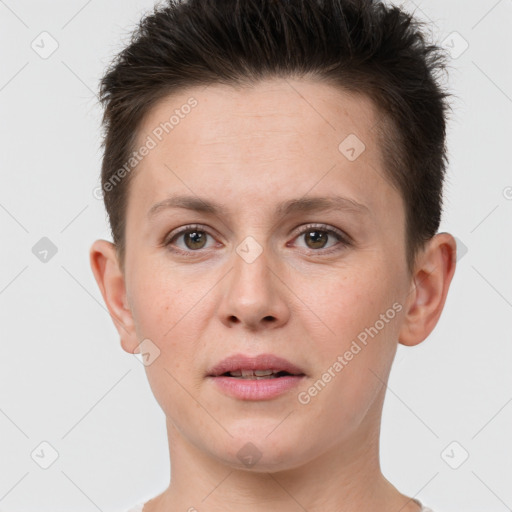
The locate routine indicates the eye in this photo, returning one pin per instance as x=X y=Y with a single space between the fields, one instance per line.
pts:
x=194 y=239
x=316 y=237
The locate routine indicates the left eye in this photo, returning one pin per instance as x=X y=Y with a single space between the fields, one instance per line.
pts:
x=318 y=236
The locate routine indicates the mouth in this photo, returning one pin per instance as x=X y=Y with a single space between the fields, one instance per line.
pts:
x=263 y=377
x=259 y=374
x=263 y=366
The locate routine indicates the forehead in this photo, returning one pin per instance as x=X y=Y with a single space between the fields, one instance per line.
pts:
x=284 y=104
x=282 y=136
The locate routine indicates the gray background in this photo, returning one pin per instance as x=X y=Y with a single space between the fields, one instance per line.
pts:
x=65 y=379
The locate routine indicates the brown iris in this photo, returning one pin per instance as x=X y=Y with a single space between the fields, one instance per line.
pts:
x=319 y=237
x=197 y=238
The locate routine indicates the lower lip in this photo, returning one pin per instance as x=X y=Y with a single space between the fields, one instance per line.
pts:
x=261 y=389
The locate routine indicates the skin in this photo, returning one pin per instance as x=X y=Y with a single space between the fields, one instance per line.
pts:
x=251 y=149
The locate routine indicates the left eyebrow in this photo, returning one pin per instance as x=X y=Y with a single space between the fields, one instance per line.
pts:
x=302 y=205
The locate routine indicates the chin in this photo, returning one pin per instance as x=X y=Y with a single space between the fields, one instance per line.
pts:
x=260 y=450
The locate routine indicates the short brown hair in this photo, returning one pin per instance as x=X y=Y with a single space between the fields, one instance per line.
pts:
x=360 y=46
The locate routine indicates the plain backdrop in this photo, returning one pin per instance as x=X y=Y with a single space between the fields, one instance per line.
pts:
x=64 y=379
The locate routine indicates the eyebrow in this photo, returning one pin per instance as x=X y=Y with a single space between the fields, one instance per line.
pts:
x=302 y=205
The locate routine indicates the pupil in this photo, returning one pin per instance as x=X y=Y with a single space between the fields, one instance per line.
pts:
x=318 y=240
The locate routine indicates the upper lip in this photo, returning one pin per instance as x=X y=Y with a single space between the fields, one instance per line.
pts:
x=260 y=362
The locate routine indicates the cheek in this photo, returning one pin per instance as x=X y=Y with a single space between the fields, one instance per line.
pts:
x=161 y=319
x=359 y=346
x=156 y=303
x=350 y=305
x=166 y=312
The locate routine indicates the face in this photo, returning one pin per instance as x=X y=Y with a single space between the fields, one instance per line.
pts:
x=267 y=268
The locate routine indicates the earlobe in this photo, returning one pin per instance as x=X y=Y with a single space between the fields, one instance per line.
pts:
x=111 y=282
x=429 y=289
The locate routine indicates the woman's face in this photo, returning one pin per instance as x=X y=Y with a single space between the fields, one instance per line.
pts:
x=255 y=277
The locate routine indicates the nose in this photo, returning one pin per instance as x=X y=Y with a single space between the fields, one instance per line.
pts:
x=254 y=294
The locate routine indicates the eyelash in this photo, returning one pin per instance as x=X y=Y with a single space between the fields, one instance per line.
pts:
x=344 y=241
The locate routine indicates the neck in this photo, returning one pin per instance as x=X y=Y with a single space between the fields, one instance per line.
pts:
x=344 y=478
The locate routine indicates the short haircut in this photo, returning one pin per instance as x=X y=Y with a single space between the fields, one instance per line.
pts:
x=359 y=46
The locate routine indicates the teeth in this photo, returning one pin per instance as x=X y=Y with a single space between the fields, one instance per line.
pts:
x=258 y=373
x=261 y=373
x=255 y=377
x=253 y=374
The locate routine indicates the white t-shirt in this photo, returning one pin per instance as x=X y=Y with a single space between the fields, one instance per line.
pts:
x=138 y=507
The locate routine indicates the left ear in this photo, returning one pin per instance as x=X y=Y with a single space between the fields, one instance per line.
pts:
x=433 y=274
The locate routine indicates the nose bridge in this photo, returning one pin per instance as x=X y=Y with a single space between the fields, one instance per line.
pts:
x=251 y=279
x=252 y=296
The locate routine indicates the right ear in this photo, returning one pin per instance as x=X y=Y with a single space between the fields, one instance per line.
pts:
x=111 y=282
